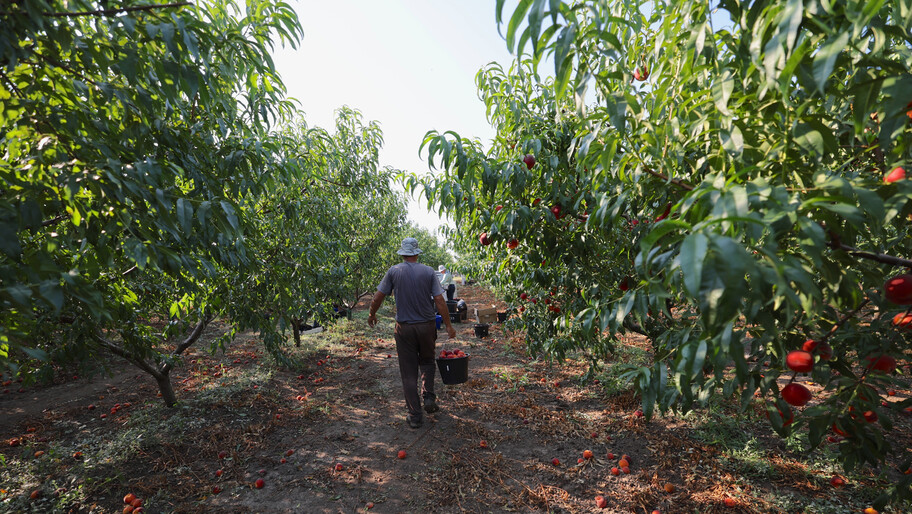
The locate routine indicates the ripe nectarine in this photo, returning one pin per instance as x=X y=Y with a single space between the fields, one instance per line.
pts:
x=796 y=394
x=800 y=361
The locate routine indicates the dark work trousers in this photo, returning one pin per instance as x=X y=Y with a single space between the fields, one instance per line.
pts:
x=451 y=292
x=415 y=347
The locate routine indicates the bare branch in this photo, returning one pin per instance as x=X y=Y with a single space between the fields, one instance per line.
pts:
x=188 y=342
x=677 y=182
x=879 y=257
x=120 y=352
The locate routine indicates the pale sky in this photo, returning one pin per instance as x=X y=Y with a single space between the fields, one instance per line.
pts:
x=408 y=64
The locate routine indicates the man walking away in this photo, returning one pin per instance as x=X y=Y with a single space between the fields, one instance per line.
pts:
x=416 y=326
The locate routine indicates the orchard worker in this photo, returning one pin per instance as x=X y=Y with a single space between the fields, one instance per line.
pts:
x=446 y=282
x=416 y=326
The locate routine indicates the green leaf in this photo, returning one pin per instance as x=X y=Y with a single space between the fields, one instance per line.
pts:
x=518 y=14
x=693 y=253
x=825 y=59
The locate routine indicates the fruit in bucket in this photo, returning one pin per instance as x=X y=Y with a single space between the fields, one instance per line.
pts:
x=452 y=354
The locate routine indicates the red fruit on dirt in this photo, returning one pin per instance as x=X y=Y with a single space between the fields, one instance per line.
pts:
x=641 y=73
x=800 y=361
x=91 y=407
x=369 y=505
x=884 y=363
x=136 y=503
x=610 y=456
x=259 y=483
x=898 y=173
x=483 y=444
x=401 y=454
x=796 y=394
x=730 y=502
x=898 y=289
x=870 y=416
x=593 y=435
x=903 y=320
x=339 y=467
x=283 y=460
x=513 y=243
x=218 y=473
x=128 y=509
x=615 y=471
x=587 y=454
x=601 y=502
x=529 y=161
x=580 y=460
x=129 y=498
x=837 y=481
x=625 y=470
x=555 y=461
x=484 y=239
x=35 y=494
x=216 y=489
x=222 y=454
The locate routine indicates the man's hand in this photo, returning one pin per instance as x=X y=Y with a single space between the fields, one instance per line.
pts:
x=451 y=331
x=375 y=306
x=372 y=320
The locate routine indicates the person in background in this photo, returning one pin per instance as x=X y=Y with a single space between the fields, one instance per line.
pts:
x=416 y=326
x=446 y=282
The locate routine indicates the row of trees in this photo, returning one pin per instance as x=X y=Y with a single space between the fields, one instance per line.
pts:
x=728 y=183
x=154 y=177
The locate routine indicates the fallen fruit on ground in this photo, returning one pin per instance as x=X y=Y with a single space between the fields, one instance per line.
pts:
x=259 y=483
x=837 y=481
x=615 y=471
x=339 y=467
x=587 y=454
x=669 y=488
x=401 y=454
x=601 y=502
x=129 y=498
x=730 y=502
x=555 y=461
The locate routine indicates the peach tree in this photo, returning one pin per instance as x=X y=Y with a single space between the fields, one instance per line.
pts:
x=729 y=183
x=135 y=136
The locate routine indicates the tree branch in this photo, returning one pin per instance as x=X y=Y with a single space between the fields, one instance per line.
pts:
x=677 y=182
x=879 y=257
x=846 y=317
x=120 y=352
x=106 y=12
x=188 y=342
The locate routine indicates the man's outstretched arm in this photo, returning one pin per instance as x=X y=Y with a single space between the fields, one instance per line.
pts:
x=375 y=306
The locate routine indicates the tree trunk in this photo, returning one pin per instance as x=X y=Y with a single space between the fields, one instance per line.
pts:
x=165 y=388
x=296 y=327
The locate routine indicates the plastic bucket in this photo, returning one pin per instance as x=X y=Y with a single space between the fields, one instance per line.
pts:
x=501 y=317
x=439 y=321
x=454 y=371
x=451 y=305
x=455 y=317
x=481 y=330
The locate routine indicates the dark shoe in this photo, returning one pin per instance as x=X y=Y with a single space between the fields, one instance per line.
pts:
x=430 y=406
x=414 y=422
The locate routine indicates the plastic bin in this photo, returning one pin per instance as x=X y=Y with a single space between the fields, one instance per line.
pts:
x=481 y=329
x=454 y=371
x=439 y=321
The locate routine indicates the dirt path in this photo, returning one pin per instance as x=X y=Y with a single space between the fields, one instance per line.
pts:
x=489 y=449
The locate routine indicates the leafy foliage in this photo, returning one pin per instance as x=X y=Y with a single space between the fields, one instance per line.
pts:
x=723 y=194
x=154 y=176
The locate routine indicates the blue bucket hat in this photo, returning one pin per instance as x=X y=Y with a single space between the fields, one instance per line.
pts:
x=409 y=247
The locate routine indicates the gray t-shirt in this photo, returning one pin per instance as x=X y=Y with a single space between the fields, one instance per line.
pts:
x=414 y=285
